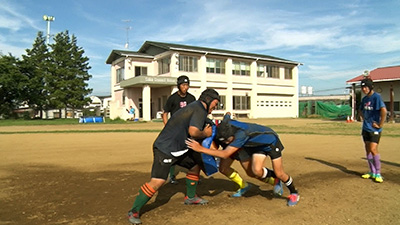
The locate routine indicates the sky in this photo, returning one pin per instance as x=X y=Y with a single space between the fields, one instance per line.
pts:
x=333 y=40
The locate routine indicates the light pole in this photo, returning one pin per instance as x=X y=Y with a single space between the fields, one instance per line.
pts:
x=48 y=19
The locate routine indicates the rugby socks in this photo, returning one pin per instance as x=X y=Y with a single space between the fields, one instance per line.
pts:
x=145 y=194
x=191 y=184
x=268 y=176
x=235 y=177
x=289 y=184
x=172 y=171
x=371 y=163
x=377 y=163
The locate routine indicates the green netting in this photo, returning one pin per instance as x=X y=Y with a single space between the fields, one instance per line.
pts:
x=302 y=109
x=331 y=110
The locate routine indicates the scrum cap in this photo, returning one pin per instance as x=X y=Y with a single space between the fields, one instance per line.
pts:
x=367 y=83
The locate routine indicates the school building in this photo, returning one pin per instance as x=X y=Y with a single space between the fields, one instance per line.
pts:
x=250 y=85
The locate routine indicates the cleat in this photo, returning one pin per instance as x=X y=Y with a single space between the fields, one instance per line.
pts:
x=378 y=178
x=195 y=201
x=293 y=199
x=278 y=189
x=133 y=217
x=242 y=191
x=173 y=180
x=368 y=176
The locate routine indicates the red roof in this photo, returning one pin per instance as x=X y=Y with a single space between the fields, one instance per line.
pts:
x=380 y=74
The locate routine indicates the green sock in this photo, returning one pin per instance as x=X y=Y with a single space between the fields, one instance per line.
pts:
x=140 y=201
x=191 y=186
x=172 y=171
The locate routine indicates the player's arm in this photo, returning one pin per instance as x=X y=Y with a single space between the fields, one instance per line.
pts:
x=165 y=117
x=228 y=151
x=196 y=133
x=383 y=113
x=360 y=113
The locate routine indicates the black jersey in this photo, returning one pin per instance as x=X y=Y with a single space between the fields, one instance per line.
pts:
x=171 y=139
x=176 y=102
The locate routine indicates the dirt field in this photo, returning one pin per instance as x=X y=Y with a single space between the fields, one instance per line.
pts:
x=93 y=178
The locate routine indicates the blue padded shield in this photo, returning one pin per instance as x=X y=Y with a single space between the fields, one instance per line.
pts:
x=210 y=165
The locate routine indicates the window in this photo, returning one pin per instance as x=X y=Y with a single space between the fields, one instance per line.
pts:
x=187 y=63
x=261 y=71
x=272 y=71
x=241 y=102
x=120 y=74
x=288 y=73
x=222 y=102
x=140 y=71
x=241 y=68
x=163 y=65
x=215 y=66
x=123 y=97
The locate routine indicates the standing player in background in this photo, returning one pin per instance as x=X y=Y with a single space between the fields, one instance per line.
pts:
x=257 y=142
x=373 y=113
x=176 y=101
x=170 y=149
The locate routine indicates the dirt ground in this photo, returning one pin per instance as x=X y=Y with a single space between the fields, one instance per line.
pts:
x=93 y=178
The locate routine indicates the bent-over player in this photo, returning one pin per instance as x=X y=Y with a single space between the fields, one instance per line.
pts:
x=257 y=142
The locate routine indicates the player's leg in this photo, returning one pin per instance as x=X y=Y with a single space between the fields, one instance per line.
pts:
x=226 y=169
x=376 y=156
x=259 y=171
x=192 y=180
x=277 y=165
x=370 y=157
x=172 y=176
x=159 y=174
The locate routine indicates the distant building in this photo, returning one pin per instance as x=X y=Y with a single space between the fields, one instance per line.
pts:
x=386 y=83
x=250 y=85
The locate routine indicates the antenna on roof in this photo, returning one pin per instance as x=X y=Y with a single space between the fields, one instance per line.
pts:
x=127 y=33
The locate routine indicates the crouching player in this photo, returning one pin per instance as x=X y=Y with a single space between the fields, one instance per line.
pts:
x=257 y=142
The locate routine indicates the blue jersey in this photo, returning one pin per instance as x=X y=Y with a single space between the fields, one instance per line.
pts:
x=254 y=136
x=371 y=109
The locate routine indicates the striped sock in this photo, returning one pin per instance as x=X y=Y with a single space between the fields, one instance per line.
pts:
x=145 y=194
x=191 y=184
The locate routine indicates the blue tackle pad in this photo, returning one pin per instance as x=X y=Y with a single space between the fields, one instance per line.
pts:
x=210 y=165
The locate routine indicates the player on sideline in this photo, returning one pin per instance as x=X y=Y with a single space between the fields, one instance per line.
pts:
x=169 y=149
x=176 y=101
x=257 y=142
x=373 y=113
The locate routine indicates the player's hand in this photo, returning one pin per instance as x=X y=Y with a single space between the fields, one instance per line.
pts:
x=192 y=144
x=208 y=130
x=375 y=125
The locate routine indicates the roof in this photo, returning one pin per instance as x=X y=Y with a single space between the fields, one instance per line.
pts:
x=203 y=50
x=116 y=54
x=379 y=75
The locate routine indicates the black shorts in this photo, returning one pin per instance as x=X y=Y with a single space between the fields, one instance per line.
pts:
x=272 y=151
x=371 y=136
x=163 y=162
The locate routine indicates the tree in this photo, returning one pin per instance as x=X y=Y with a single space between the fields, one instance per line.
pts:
x=69 y=73
x=12 y=85
x=35 y=66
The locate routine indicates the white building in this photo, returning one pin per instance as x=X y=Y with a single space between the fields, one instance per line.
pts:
x=250 y=85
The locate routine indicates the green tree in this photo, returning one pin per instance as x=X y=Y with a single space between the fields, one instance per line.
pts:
x=69 y=72
x=12 y=85
x=35 y=66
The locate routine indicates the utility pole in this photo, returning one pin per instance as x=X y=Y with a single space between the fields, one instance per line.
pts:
x=48 y=19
